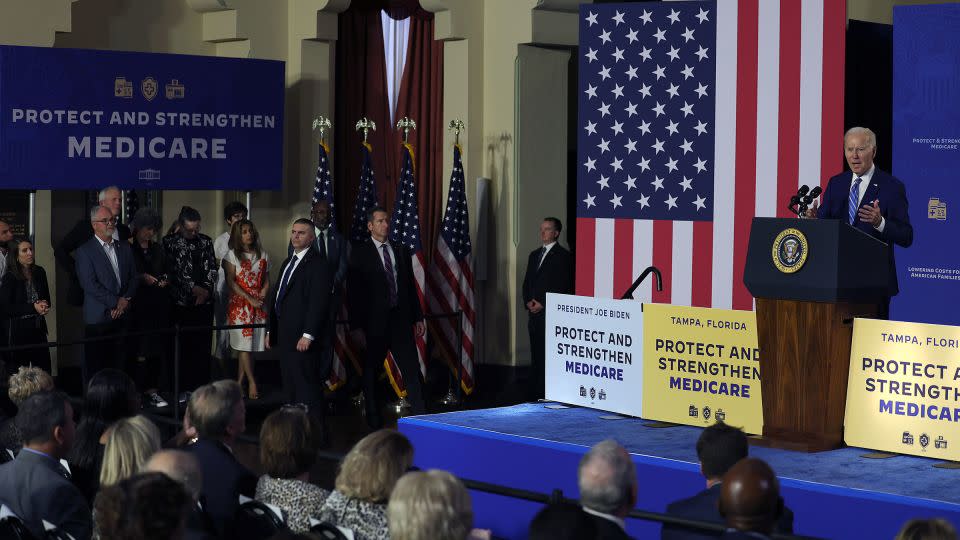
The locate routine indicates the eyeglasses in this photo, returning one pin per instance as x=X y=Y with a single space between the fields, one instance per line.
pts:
x=107 y=220
x=290 y=407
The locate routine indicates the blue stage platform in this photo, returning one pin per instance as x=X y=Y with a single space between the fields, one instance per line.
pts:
x=834 y=494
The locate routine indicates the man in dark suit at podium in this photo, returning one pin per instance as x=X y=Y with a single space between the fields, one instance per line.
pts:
x=549 y=269
x=719 y=448
x=869 y=199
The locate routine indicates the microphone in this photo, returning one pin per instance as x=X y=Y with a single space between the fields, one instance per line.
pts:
x=803 y=190
x=815 y=192
x=795 y=200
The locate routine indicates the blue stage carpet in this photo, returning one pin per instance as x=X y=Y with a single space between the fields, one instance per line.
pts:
x=834 y=494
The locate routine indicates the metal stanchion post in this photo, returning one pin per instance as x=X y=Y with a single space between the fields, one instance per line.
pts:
x=176 y=371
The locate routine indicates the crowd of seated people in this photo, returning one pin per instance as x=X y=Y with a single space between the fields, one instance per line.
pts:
x=196 y=492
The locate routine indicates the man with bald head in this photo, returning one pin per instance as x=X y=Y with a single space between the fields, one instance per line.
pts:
x=184 y=468
x=750 y=499
x=110 y=197
x=607 y=479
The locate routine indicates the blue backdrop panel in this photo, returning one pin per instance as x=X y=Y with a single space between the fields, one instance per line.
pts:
x=834 y=494
x=926 y=156
x=74 y=119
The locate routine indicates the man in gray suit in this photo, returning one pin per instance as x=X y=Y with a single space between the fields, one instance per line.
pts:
x=35 y=486
x=108 y=277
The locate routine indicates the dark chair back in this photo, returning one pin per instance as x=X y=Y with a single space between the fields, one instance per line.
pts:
x=6 y=455
x=327 y=531
x=255 y=521
x=11 y=527
x=57 y=533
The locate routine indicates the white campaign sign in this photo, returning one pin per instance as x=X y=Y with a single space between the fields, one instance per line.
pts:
x=594 y=353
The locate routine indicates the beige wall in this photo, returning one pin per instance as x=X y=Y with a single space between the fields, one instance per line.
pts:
x=480 y=82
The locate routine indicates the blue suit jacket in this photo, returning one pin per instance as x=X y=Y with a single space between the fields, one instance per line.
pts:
x=892 y=199
x=224 y=479
x=704 y=506
x=100 y=288
x=35 y=489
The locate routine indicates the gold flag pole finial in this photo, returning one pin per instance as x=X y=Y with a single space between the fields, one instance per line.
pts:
x=366 y=125
x=321 y=123
x=406 y=124
x=457 y=126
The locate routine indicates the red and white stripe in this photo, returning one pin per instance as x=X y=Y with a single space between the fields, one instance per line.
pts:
x=778 y=125
x=419 y=277
x=451 y=286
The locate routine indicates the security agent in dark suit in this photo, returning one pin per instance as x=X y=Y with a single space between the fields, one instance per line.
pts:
x=607 y=479
x=35 y=486
x=217 y=412
x=719 y=448
x=63 y=252
x=299 y=307
x=549 y=269
x=108 y=276
x=333 y=249
x=384 y=304
x=880 y=208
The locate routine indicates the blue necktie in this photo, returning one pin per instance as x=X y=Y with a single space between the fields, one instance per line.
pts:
x=854 y=199
x=283 y=282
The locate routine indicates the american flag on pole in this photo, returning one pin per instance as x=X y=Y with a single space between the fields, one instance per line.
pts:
x=694 y=117
x=405 y=230
x=323 y=191
x=451 y=276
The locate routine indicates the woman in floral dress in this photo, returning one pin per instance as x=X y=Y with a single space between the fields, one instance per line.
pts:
x=247 y=269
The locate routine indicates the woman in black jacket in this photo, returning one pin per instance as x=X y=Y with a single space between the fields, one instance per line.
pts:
x=24 y=301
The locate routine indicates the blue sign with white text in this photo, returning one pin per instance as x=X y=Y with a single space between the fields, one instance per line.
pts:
x=83 y=119
x=926 y=156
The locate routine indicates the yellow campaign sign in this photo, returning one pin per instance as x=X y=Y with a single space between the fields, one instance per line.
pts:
x=903 y=393
x=701 y=365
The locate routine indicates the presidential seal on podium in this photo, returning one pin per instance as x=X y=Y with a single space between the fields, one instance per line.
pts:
x=790 y=250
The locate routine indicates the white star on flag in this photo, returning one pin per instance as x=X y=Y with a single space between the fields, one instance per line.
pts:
x=671 y=201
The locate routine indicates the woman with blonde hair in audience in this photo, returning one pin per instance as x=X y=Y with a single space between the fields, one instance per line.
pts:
x=130 y=443
x=21 y=385
x=367 y=476
x=289 y=440
x=431 y=505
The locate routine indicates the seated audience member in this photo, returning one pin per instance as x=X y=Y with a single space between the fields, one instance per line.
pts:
x=130 y=443
x=607 y=479
x=184 y=468
x=927 y=529
x=750 y=500
x=218 y=415
x=21 y=385
x=431 y=505
x=562 y=521
x=147 y=506
x=719 y=447
x=111 y=396
x=35 y=486
x=289 y=440
x=366 y=478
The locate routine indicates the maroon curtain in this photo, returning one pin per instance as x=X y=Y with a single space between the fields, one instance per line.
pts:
x=362 y=91
x=421 y=98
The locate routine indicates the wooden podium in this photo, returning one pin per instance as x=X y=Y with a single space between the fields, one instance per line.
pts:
x=804 y=324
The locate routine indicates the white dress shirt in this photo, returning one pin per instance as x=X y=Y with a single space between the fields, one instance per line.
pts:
x=111 y=250
x=393 y=257
x=607 y=517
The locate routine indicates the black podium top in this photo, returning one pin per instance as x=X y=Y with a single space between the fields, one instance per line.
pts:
x=842 y=264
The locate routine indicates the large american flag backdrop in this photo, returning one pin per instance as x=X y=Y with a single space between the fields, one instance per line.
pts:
x=694 y=117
